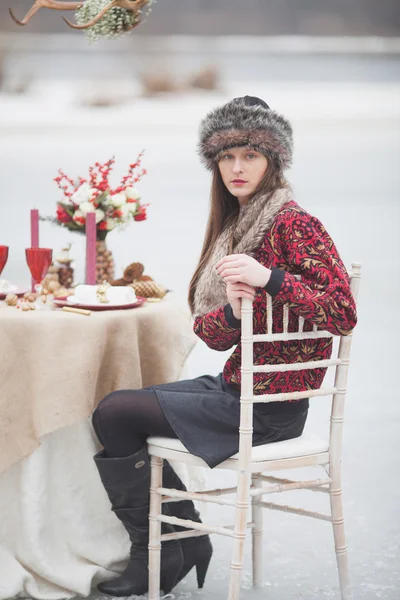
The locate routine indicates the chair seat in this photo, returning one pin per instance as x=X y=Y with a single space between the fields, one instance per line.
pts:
x=305 y=445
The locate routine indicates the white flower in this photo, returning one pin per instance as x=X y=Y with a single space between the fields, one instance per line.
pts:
x=110 y=224
x=84 y=188
x=86 y=207
x=132 y=207
x=118 y=200
x=83 y=193
x=77 y=215
x=125 y=211
x=100 y=214
x=132 y=193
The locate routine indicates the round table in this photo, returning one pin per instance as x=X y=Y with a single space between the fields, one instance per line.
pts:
x=58 y=537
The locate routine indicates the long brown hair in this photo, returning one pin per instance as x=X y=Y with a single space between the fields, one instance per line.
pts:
x=224 y=209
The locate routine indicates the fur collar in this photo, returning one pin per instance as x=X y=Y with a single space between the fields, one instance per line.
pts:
x=254 y=220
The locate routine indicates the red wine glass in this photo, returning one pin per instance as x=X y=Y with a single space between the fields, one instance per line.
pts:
x=3 y=257
x=39 y=261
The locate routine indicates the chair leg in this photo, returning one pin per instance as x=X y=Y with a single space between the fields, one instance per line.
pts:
x=155 y=529
x=257 y=537
x=335 y=493
x=242 y=505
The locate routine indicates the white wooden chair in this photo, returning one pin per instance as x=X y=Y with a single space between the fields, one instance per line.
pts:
x=251 y=464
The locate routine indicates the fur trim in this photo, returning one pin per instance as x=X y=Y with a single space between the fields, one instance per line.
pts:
x=239 y=124
x=254 y=220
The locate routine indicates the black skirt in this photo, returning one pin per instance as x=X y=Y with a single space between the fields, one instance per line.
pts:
x=204 y=412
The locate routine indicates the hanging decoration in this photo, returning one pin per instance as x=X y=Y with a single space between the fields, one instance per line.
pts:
x=98 y=18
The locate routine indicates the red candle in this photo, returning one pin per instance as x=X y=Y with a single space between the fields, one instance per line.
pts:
x=91 y=248
x=34 y=234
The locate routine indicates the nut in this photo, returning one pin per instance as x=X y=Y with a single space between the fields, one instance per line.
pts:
x=61 y=292
x=11 y=299
x=30 y=297
x=53 y=286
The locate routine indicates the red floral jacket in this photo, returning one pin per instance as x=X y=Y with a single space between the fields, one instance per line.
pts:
x=297 y=243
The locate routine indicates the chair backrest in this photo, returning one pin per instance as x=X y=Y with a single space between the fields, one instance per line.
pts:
x=340 y=362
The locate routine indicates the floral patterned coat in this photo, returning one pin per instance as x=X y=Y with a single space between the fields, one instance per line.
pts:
x=297 y=243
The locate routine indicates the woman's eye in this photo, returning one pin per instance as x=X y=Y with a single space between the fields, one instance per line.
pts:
x=251 y=155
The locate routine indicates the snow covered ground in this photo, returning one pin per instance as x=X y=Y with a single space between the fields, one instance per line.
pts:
x=346 y=172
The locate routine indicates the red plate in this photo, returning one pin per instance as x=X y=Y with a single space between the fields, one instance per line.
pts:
x=18 y=293
x=62 y=301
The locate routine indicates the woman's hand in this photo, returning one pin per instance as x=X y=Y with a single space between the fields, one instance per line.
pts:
x=240 y=268
x=237 y=291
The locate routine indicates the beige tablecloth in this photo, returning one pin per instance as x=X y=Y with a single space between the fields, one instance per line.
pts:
x=58 y=536
x=55 y=366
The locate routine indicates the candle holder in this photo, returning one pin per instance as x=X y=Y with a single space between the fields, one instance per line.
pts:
x=3 y=257
x=38 y=261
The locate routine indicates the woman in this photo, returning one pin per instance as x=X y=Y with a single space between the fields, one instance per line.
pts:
x=258 y=239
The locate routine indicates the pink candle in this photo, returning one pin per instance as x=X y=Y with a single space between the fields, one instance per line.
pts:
x=91 y=248
x=34 y=228
x=34 y=234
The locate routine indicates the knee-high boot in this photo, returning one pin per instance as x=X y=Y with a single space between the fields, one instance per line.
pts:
x=197 y=551
x=127 y=482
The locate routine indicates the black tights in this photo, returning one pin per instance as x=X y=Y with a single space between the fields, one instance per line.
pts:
x=125 y=418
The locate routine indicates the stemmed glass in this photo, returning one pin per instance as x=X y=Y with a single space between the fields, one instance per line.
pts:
x=39 y=261
x=3 y=257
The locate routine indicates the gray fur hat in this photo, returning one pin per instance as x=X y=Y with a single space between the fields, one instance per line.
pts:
x=246 y=121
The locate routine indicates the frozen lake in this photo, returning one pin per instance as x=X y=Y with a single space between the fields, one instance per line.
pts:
x=346 y=172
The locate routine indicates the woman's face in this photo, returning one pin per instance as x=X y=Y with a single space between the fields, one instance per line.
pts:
x=242 y=170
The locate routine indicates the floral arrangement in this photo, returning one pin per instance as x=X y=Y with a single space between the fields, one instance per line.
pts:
x=115 y=22
x=114 y=207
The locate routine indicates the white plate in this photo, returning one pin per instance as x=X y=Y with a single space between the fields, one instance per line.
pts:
x=10 y=290
x=72 y=300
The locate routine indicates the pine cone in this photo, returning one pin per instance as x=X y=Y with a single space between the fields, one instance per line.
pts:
x=133 y=271
x=148 y=289
x=120 y=282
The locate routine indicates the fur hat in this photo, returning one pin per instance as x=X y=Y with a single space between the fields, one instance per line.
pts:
x=246 y=121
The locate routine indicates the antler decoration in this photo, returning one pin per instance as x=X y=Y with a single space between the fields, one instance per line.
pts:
x=133 y=6
x=53 y=4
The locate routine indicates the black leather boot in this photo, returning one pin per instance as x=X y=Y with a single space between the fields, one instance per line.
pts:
x=197 y=551
x=127 y=481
